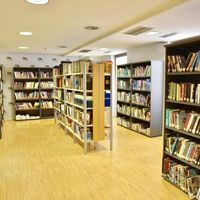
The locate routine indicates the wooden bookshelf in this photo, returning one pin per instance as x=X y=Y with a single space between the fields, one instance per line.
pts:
x=181 y=94
x=42 y=86
x=131 y=75
x=76 y=100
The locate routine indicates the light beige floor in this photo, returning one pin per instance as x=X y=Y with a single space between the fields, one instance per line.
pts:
x=39 y=162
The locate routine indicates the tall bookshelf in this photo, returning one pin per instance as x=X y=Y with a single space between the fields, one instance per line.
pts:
x=83 y=108
x=140 y=97
x=182 y=114
x=1 y=102
x=33 y=93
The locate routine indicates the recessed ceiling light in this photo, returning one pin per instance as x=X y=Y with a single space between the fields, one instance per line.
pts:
x=103 y=49
x=22 y=47
x=26 y=33
x=38 y=2
x=152 y=33
x=91 y=28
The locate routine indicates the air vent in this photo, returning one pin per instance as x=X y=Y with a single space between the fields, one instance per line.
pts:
x=169 y=35
x=138 y=30
x=84 y=51
x=108 y=52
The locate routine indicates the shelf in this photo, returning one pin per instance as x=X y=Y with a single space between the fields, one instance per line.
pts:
x=137 y=90
x=26 y=89
x=140 y=133
x=138 y=77
x=27 y=119
x=43 y=79
x=26 y=79
x=78 y=106
x=124 y=102
x=58 y=88
x=57 y=109
x=123 y=77
x=58 y=99
x=30 y=109
x=47 y=108
x=124 y=126
x=37 y=99
x=182 y=160
x=69 y=129
x=123 y=89
x=183 y=132
x=123 y=114
x=140 y=119
x=47 y=98
x=57 y=76
x=80 y=124
x=135 y=104
x=182 y=73
x=62 y=123
x=46 y=88
x=183 y=103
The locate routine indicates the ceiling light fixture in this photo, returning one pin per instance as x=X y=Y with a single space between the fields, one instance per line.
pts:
x=38 y=2
x=25 y=33
x=103 y=49
x=152 y=33
x=91 y=28
x=22 y=47
x=62 y=47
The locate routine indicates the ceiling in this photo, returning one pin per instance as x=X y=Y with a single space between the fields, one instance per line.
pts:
x=62 y=22
x=183 y=19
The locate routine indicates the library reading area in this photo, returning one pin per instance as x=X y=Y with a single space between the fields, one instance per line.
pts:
x=100 y=107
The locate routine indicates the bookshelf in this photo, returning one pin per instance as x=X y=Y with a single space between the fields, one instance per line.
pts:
x=33 y=93
x=82 y=97
x=1 y=101
x=140 y=97
x=181 y=151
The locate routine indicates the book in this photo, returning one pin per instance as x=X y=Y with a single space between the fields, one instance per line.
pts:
x=193 y=184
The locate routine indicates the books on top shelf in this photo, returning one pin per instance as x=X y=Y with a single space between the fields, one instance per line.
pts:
x=184 y=92
x=141 y=71
x=27 y=95
x=47 y=104
x=78 y=66
x=59 y=82
x=46 y=95
x=142 y=85
x=123 y=96
x=123 y=84
x=123 y=72
x=179 y=63
x=183 y=148
x=69 y=82
x=24 y=74
x=67 y=68
x=142 y=113
x=143 y=128
x=26 y=85
x=178 y=173
x=46 y=84
x=183 y=120
x=22 y=106
x=140 y=99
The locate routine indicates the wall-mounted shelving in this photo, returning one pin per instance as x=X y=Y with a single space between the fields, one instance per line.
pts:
x=33 y=93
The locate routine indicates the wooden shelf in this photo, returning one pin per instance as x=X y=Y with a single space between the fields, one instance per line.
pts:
x=183 y=132
x=140 y=119
x=47 y=108
x=124 y=102
x=49 y=78
x=26 y=89
x=141 y=105
x=183 y=103
x=46 y=88
x=183 y=161
x=123 y=114
x=137 y=90
x=182 y=73
x=30 y=109
x=123 y=89
x=36 y=99
x=141 y=77
x=26 y=79
x=123 y=77
x=47 y=98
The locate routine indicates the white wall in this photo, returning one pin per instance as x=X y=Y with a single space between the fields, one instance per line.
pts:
x=149 y=52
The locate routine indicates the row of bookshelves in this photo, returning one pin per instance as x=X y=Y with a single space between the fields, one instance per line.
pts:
x=139 y=98
x=181 y=150
x=76 y=102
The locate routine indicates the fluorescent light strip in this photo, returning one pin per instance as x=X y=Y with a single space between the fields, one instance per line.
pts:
x=38 y=2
